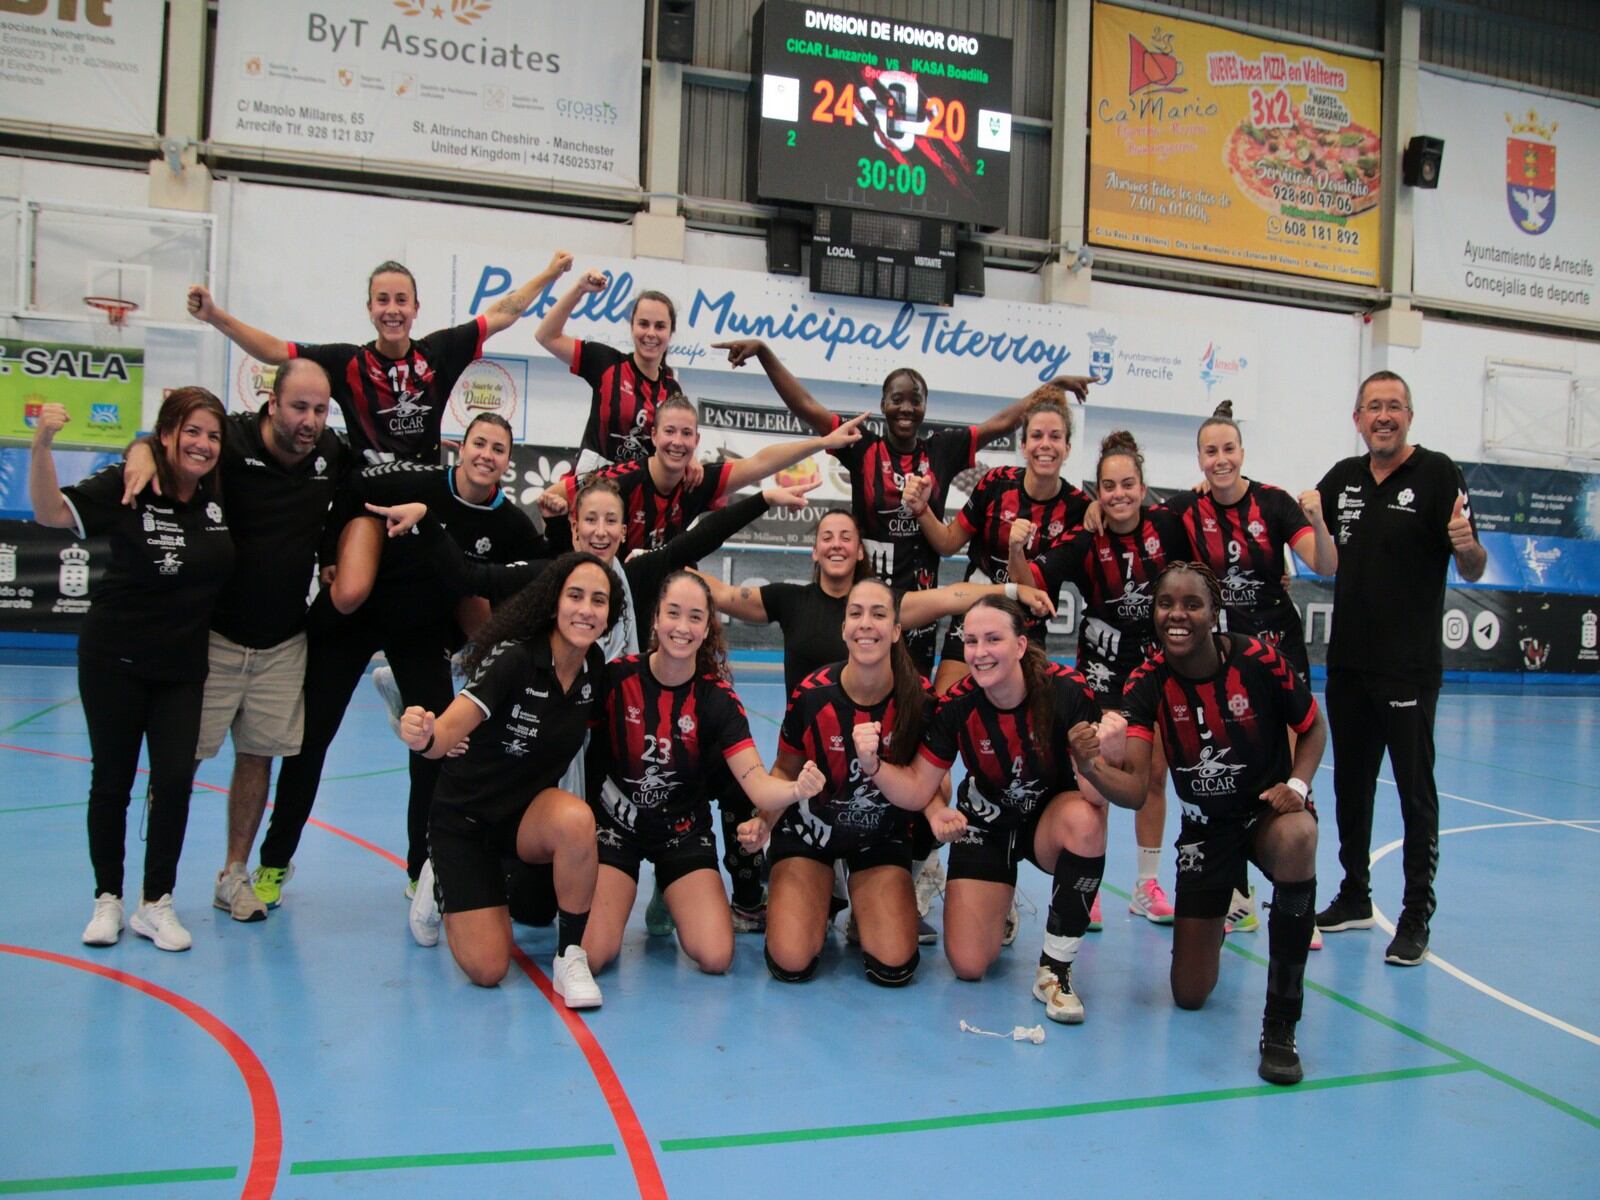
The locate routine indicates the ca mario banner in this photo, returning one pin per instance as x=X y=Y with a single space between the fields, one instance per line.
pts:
x=103 y=390
x=978 y=347
x=513 y=87
x=1515 y=221
x=1213 y=145
x=93 y=66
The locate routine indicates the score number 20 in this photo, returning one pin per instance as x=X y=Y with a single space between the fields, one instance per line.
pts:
x=947 y=121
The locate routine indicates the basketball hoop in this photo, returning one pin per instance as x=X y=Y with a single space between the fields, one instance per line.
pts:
x=116 y=308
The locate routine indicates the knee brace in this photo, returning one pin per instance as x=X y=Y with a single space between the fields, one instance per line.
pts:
x=887 y=976
x=783 y=976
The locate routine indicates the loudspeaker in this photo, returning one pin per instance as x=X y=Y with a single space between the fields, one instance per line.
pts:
x=1420 y=163
x=675 y=31
x=783 y=248
x=969 y=269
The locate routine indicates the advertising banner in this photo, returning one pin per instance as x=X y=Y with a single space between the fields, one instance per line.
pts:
x=978 y=347
x=44 y=577
x=514 y=87
x=103 y=390
x=91 y=66
x=1214 y=145
x=1537 y=501
x=1515 y=220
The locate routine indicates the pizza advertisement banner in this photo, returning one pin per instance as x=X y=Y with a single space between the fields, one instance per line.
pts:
x=1213 y=145
x=1515 y=221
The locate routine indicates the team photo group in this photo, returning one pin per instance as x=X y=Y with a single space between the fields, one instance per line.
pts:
x=569 y=713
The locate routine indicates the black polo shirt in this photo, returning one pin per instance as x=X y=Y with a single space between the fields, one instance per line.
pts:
x=1394 y=554
x=813 y=627
x=150 y=605
x=530 y=732
x=409 y=591
x=277 y=514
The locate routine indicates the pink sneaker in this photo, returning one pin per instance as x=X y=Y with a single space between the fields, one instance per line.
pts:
x=1095 y=924
x=1150 y=902
x=1316 y=938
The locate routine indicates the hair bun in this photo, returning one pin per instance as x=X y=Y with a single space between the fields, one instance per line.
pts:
x=1119 y=441
x=1225 y=409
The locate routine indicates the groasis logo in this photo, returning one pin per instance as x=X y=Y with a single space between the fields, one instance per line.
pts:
x=1531 y=173
x=595 y=112
x=463 y=12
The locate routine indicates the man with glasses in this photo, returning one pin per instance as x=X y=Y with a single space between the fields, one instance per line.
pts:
x=1399 y=515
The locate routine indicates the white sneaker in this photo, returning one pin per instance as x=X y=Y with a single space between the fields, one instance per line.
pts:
x=105 y=927
x=424 y=914
x=929 y=883
x=573 y=982
x=1242 y=916
x=389 y=693
x=236 y=896
x=1316 y=938
x=155 y=919
x=1054 y=987
x=1013 y=919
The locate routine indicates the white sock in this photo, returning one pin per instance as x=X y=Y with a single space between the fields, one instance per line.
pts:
x=1149 y=862
x=1062 y=948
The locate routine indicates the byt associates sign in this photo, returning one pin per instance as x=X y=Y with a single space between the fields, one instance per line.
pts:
x=1213 y=145
x=516 y=87
x=1515 y=221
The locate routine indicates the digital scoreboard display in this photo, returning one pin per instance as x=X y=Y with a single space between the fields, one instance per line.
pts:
x=880 y=113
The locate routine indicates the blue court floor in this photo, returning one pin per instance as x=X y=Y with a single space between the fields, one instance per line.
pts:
x=323 y=1053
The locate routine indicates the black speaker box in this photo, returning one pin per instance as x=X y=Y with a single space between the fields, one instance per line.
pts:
x=1421 y=161
x=783 y=248
x=675 y=31
x=969 y=269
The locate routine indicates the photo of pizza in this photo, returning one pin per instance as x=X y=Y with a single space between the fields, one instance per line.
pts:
x=1304 y=170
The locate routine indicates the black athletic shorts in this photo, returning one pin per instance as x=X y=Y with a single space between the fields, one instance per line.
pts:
x=469 y=858
x=892 y=849
x=695 y=849
x=531 y=888
x=1212 y=859
x=992 y=854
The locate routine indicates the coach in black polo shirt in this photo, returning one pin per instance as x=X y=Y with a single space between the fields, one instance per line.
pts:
x=1399 y=514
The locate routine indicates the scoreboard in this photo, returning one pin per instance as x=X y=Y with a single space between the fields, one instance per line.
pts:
x=880 y=113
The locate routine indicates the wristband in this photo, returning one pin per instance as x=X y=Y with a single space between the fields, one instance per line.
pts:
x=426 y=747
x=1011 y=591
x=1299 y=787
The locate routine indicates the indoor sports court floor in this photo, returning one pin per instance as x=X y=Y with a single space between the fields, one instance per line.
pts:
x=323 y=1053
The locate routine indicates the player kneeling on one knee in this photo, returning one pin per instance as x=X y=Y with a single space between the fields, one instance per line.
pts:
x=1224 y=705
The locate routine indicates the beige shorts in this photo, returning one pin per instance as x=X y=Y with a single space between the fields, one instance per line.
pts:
x=258 y=694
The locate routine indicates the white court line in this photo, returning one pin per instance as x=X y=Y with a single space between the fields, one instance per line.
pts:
x=1580 y=823
x=1472 y=981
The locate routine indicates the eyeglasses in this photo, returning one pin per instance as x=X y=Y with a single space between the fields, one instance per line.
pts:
x=1376 y=408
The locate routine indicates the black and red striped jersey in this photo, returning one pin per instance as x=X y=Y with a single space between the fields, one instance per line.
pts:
x=896 y=549
x=819 y=726
x=1115 y=572
x=1226 y=737
x=394 y=407
x=1008 y=777
x=622 y=410
x=654 y=518
x=1243 y=545
x=1000 y=499
x=649 y=763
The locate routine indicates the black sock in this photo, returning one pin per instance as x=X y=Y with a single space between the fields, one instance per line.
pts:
x=569 y=929
x=1072 y=892
x=1288 y=943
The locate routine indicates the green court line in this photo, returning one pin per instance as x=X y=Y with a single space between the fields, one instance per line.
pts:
x=74 y=1183
x=334 y=1166
x=365 y=774
x=1052 y=1112
x=43 y=712
x=42 y=807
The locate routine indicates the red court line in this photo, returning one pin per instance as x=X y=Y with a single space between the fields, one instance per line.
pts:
x=267 y=1151
x=645 y=1171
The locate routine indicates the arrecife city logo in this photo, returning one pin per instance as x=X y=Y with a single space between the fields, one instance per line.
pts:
x=1531 y=173
x=1155 y=68
x=1102 y=365
x=463 y=12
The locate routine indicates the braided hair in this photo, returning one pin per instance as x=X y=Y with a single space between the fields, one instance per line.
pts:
x=1207 y=576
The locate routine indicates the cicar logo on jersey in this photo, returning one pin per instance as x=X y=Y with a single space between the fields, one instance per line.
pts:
x=1531 y=173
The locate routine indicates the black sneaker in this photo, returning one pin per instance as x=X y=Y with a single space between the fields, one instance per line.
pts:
x=1410 y=944
x=1280 y=1062
x=1345 y=912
